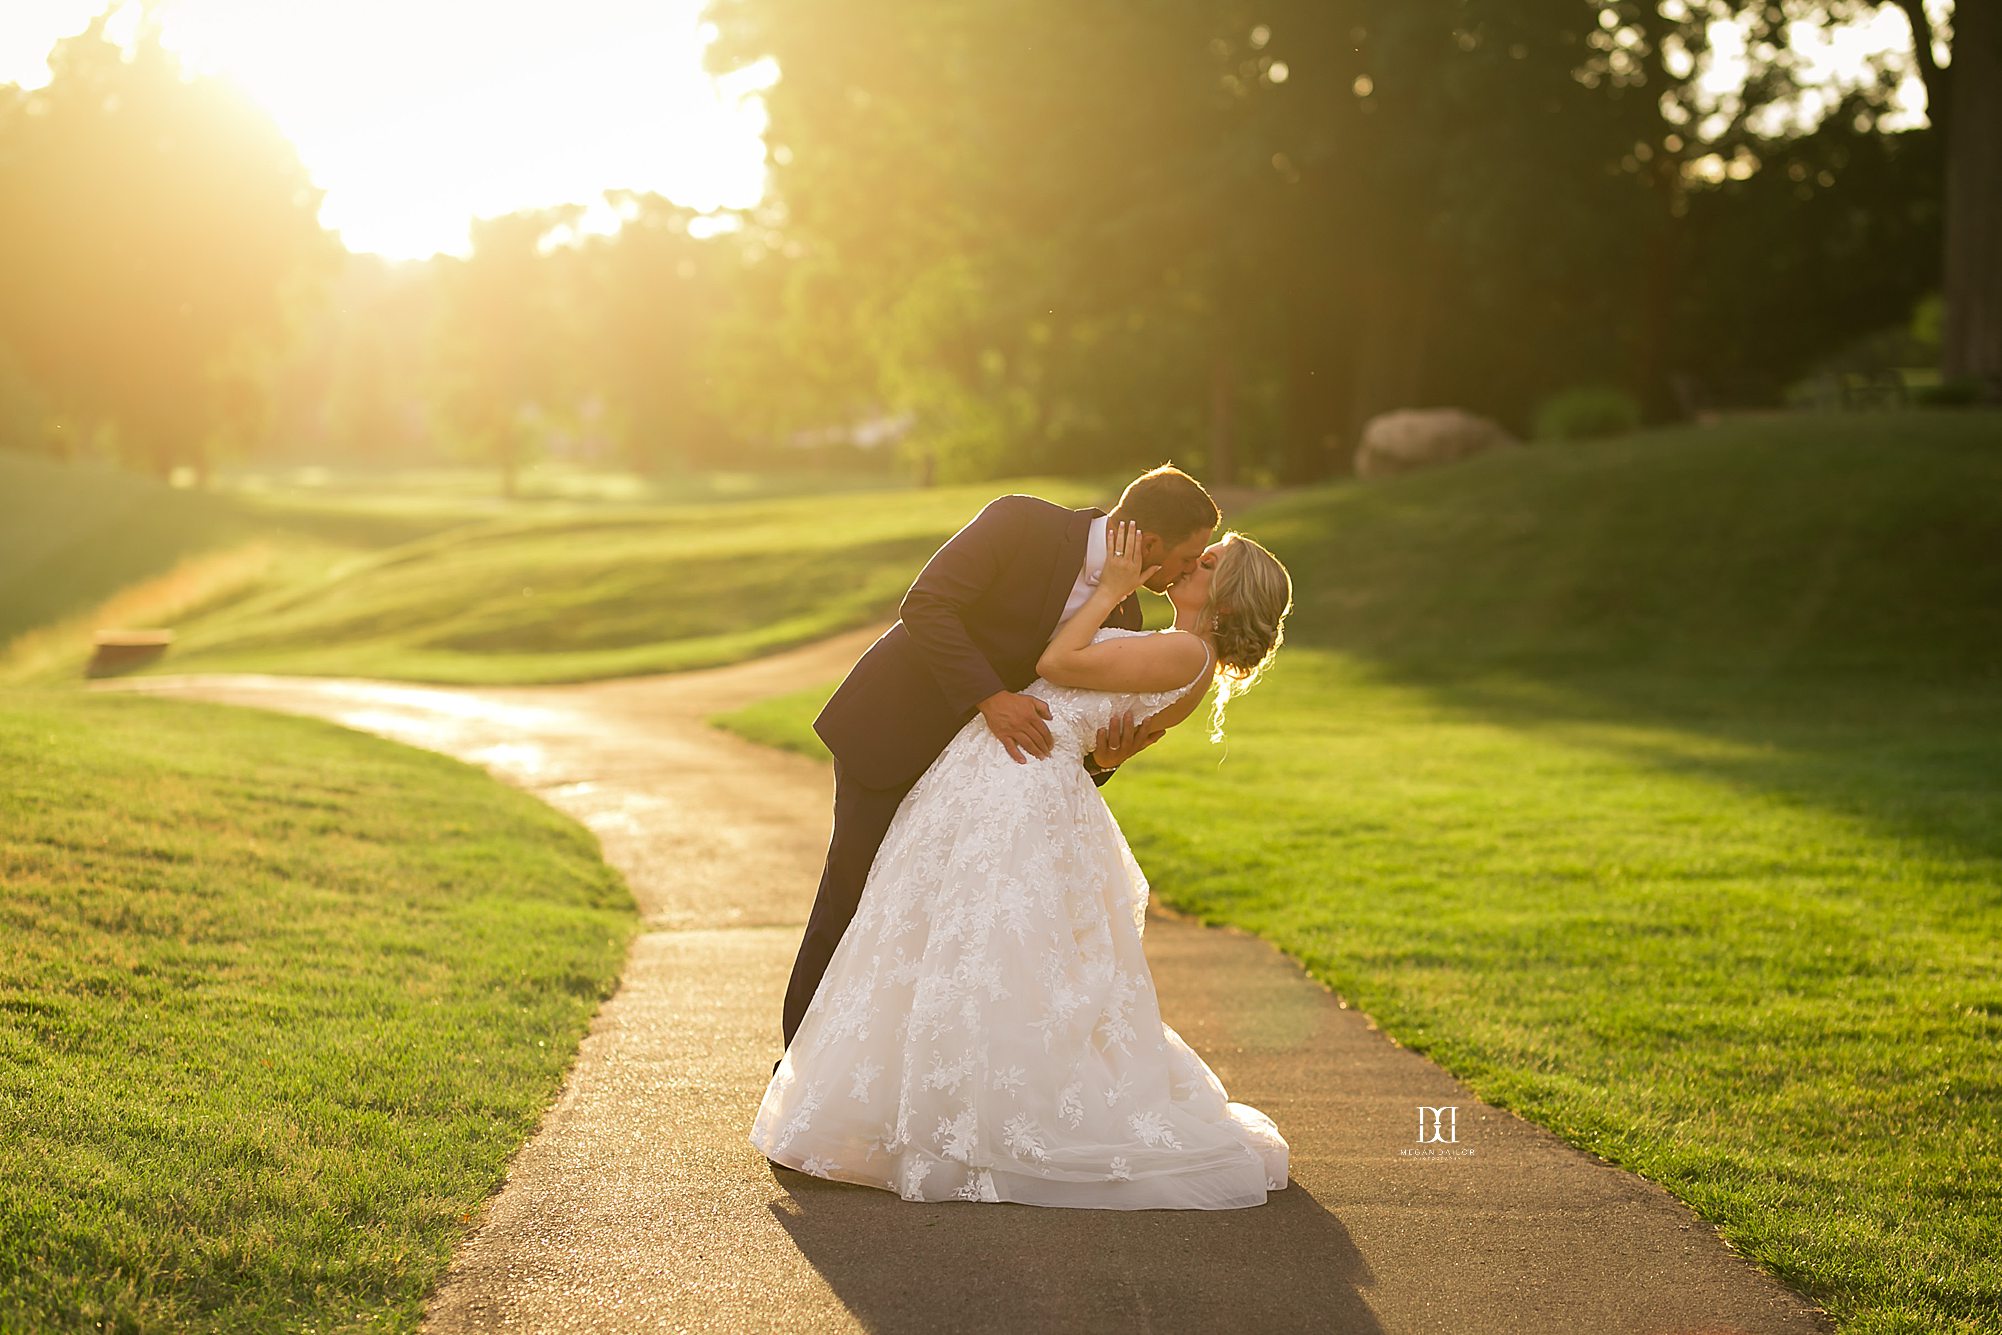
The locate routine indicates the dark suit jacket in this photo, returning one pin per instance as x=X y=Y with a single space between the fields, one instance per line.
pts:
x=979 y=616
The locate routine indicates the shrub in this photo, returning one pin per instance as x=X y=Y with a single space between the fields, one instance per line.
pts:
x=1958 y=392
x=1587 y=411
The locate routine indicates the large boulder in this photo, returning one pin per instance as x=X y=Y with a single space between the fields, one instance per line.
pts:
x=1413 y=438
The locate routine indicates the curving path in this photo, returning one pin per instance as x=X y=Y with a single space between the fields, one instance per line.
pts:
x=639 y=1205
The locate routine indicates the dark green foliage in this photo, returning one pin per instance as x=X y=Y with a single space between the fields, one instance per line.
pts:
x=1836 y=238
x=1959 y=392
x=1054 y=236
x=1070 y=233
x=1587 y=412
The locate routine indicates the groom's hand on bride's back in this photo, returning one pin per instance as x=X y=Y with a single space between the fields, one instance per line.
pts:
x=1018 y=721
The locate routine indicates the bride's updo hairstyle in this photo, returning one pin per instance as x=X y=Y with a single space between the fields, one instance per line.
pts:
x=1250 y=595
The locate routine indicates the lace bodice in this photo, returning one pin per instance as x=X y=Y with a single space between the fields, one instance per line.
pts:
x=1077 y=712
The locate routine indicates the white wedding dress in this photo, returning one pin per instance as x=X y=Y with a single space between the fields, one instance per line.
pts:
x=987 y=1028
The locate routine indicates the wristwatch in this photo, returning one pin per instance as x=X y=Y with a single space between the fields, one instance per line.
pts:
x=1093 y=768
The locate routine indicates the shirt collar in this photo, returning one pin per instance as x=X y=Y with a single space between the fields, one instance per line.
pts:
x=1094 y=550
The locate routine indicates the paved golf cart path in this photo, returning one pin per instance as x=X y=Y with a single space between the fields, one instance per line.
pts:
x=639 y=1204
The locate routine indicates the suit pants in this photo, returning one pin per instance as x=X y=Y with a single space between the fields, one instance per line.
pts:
x=861 y=818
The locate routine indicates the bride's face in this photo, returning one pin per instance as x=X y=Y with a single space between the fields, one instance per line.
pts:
x=1192 y=591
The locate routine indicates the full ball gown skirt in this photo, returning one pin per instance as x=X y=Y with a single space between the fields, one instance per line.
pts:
x=987 y=1028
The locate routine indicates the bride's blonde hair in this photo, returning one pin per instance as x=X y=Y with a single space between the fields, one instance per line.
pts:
x=1250 y=597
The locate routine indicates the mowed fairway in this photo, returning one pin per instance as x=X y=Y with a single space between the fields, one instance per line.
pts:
x=1654 y=788
x=278 y=1004
x=74 y=537
x=585 y=595
x=84 y=548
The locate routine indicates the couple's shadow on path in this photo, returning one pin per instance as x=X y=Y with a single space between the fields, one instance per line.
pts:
x=1289 y=1264
x=896 y=1265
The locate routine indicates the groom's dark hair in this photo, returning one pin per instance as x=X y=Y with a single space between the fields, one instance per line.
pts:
x=1168 y=502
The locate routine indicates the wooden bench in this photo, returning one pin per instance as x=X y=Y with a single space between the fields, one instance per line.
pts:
x=116 y=651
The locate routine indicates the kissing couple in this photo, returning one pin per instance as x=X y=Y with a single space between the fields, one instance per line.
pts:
x=971 y=1016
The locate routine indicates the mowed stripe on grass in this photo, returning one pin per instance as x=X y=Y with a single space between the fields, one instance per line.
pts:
x=586 y=596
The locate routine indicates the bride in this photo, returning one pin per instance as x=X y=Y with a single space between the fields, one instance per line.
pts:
x=987 y=1028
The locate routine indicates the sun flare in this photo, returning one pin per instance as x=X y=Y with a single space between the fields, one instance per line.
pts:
x=415 y=117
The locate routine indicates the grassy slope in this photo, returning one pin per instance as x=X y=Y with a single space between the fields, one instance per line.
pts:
x=1655 y=789
x=421 y=573
x=584 y=594
x=278 y=1004
x=73 y=536
x=1758 y=549
x=83 y=548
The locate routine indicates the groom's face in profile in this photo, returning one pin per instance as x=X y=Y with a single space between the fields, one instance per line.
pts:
x=1177 y=562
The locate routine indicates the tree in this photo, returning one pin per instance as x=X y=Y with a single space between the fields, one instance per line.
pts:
x=24 y=415
x=1970 y=95
x=653 y=297
x=957 y=241
x=157 y=238
x=1834 y=236
x=1964 y=112
x=507 y=339
x=1079 y=236
x=376 y=347
x=1085 y=235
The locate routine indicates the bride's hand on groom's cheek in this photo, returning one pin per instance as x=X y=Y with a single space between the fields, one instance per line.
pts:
x=1123 y=573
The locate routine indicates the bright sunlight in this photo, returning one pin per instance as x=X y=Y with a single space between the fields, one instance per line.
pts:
x=415 y=120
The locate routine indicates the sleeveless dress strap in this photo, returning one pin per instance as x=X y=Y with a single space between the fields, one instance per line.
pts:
x=1209 y=664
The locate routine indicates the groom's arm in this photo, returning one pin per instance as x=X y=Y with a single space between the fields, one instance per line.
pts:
x=934 y=609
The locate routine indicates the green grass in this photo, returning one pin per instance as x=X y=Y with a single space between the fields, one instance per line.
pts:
x=1748 y=550
x=1654 y=788
x=589 y=594
x=279 y=1003
x=72 y=536
x=85 y=548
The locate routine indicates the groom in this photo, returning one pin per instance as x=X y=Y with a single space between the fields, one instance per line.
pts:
x=969 y=634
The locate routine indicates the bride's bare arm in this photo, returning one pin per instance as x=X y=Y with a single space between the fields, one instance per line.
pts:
x=1138 y=663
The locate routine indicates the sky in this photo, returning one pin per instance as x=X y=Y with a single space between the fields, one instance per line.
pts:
x=415 y=122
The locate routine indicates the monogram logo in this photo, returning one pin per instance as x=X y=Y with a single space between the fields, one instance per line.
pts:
x=1444 y=1128
x=1438 y=1134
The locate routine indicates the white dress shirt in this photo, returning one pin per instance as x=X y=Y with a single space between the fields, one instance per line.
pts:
x=1092 y=570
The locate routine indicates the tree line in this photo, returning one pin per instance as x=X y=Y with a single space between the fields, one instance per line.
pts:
x=1048 y=237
